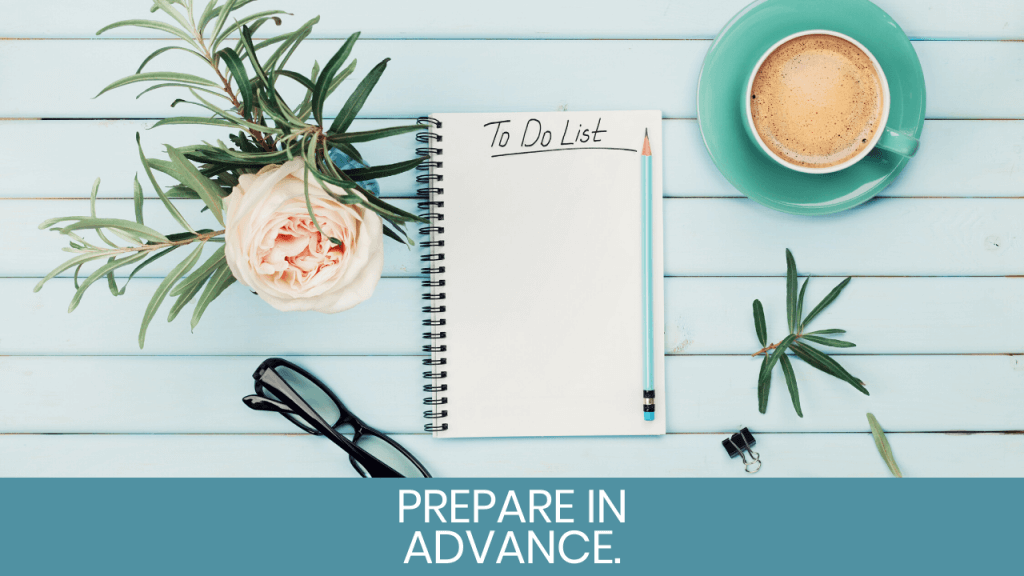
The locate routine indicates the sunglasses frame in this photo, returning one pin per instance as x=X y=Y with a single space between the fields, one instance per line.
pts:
x=292 y=406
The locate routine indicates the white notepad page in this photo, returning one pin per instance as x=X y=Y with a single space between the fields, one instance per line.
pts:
x=542 y=281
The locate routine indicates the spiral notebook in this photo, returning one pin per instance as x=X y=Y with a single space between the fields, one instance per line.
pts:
x=534 y=307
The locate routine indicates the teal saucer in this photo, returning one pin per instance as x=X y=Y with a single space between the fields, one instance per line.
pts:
x=728 y=66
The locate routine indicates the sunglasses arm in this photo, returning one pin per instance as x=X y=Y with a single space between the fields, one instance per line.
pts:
x=294 y=404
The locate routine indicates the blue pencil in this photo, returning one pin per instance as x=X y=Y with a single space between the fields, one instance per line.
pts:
x=646 y=171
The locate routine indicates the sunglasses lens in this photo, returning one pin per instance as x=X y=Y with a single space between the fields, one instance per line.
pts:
x=388 y=454
x=314 y=395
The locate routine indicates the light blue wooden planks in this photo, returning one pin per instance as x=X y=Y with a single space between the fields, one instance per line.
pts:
x=702 y=316
x=882 y=315
x=885 y=237
x=786 y=455
x=703 y=237
x=964 y=79
x=202 y=395
x=948 y=19
x=238 y=323
x=957 y=158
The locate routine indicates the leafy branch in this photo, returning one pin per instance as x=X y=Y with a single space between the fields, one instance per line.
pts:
x=241 y=94
x=141 y=245
x=270 y=131
x=799 y=341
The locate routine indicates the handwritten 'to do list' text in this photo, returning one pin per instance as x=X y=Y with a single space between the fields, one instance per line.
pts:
x=534 y=136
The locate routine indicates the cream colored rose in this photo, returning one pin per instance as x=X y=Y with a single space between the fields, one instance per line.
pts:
x=273 y=247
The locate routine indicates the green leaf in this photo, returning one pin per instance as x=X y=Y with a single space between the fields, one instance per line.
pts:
x=251 y=51
x=370 y=135
x=794 y=393
x=219 y=282
x=379 y=206
x=182 y=192
x=360 y=174
x=165 y=286
x=101 y=272
x=393 y=235
x=800 y=303
x=350 y=151
x=306 y=82
x=305 y=188
x=187 y=289
x=828 y=341
x=271 y=14
x=179 y=85
x=153 y=25
x=791 y=297
x=159 y=191
x=112 y=284
x=161 y=51
x=882 y=444
x=208 y=268
x=199 y=120
x=780 y=351
x=327 y=75
x=158 y=77
x=222 y=17
x=76 y=261
x=208 y=190
x=153 y=258
x=340 y=77
x=213 y=12
x=759 y=324
x=166 y=7
x=229 y=116
x=829 y=331
x=92 y=212
x=358 y=98
x=291 y=42
x=234 y=64
x=823 y=362
x=825 y=302
x=209 y=13
x=128 y=225
x=138 y=200
x=764 y=384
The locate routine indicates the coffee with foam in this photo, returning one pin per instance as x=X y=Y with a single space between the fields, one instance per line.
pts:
x=817 y=101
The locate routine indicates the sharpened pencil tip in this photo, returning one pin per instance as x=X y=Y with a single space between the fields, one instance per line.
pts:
x=647 y=145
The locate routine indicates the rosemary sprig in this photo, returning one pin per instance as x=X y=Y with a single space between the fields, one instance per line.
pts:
x=799 y=341
x=240 y=93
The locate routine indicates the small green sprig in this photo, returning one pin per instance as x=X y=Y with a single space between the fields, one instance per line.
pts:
x=882 y=444
x=798 y=341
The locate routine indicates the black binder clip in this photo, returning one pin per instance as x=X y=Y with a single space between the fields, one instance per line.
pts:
x=739 y=443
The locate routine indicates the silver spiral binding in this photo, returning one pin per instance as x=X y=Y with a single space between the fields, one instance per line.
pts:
x=430 y=200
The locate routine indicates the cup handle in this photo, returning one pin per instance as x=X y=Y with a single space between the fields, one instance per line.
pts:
x=898 y=142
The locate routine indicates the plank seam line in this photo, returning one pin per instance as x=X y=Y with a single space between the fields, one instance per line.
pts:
x=701 y=38
x=542 y=439
x=671 y=355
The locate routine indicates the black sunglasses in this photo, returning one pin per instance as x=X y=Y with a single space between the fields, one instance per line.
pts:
x=283 y=387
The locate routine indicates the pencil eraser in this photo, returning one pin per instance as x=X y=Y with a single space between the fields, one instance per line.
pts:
x=649 y=416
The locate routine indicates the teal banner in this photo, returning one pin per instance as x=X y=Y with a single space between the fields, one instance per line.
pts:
x=509 y=526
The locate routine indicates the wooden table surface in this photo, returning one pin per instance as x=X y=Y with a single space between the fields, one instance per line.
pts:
x=936 y=305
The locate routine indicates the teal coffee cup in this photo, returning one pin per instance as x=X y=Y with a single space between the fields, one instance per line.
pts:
x=805 y=80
